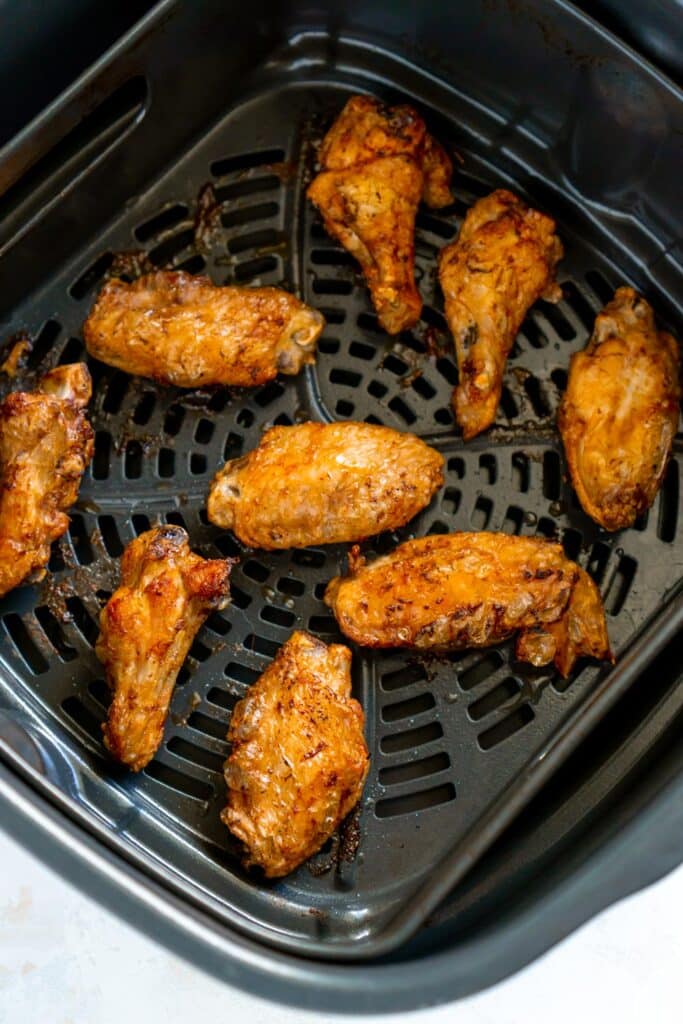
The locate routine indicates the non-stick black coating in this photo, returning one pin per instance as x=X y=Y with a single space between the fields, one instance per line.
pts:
x=448 y=737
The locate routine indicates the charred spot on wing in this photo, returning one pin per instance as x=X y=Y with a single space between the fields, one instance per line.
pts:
x=469 y=337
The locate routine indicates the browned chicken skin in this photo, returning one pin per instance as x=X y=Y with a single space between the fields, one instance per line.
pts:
x=181 y=329
x=299 y=759
x=580 y=632
x=502 y=261
x=146 y=630
x=377 y=163
x=46 y=444
x=323 y=484
x=471 y=590
x=620 y=411
x=437 y=168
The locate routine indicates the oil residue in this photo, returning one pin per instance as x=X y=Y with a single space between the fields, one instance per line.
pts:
x=343 y=847
x=192 y=705
x=93 y=583
x=207 y=218
x=130 y=264
x=285 y=170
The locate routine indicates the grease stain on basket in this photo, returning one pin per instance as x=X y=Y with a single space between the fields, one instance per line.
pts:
x=207 y=224
x=340 y=849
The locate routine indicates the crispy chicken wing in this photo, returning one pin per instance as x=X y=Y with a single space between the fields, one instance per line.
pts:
x=502 y=261
x=324 y=483
x=437 y=167
x=180 y=329
x=470 y=590
x=620 y=412
x=377 y=163
x=299 y=759
x=580 y=632
x=146 y=630
x=46 y=443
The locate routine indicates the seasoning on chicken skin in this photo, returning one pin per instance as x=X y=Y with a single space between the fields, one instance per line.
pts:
x=299 y=759
x=465 y=590
x=502 y=261
x=580 y=632
x=321 y=483
x=181 y=329
x=619 y=414
x=146 y=630
x=46 y=444
x=437 y=168
x=377 y=163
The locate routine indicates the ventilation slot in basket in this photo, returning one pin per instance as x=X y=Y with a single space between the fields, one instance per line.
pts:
x=411 y=803
x=24 y=644
x=181 y=783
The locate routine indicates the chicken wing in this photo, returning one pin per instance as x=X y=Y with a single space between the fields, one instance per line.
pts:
x=146 y=630
x=377 y=163
x=299 y=759
x=437 y=167
x=502 y=261
x=46 y=443
x=620 y=412
x=469 y=590
x=183 y=330
x=580 y=632
x=324 y=483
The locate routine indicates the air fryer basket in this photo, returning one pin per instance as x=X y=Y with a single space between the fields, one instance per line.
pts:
x=204 y=167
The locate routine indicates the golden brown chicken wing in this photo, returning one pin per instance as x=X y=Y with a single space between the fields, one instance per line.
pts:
x=580 y=632
x=183 y=330
x=377 y=163
x=45 y=445
x=146 y=630
x=299 y=759
x=620 y=412
x=466 y=590
x=324 y=483
x=502 y=261
x=437 y=167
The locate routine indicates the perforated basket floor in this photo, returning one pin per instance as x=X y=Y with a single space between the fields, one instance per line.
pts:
x=447 y=736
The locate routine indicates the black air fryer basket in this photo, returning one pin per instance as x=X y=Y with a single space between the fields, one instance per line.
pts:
x=504 y=805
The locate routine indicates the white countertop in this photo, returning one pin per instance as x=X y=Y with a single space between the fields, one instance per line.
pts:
x=65 y=960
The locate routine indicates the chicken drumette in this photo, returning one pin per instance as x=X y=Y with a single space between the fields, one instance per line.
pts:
x=46 y=443
x=146 y=630
x=324 y=483
x=299 y=758
x=377 y=163
x=620 y=411
x=472 y=590
x=183 y=330
x=502 y=261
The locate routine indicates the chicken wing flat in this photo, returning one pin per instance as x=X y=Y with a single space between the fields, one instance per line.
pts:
x=619 y=414
x=466 y=590
x=323 y=484
x=146 y=630
x=46 y=444
x=377 y=163
x=181 y=329
x=502 y=261
x=299 y=758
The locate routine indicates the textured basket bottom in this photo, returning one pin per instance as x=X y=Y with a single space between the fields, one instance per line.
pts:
x=448 y=736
